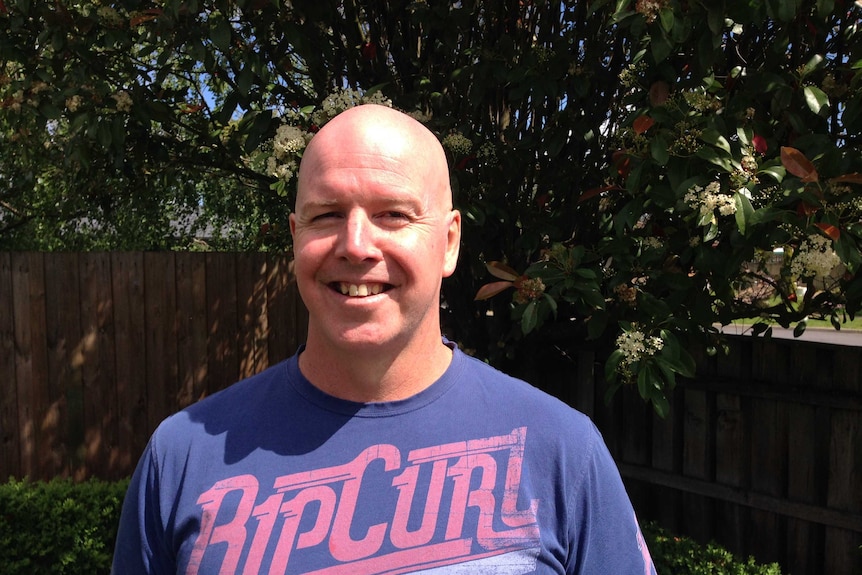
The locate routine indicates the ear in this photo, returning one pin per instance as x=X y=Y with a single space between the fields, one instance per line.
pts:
x=453 y=243
x=292 y=220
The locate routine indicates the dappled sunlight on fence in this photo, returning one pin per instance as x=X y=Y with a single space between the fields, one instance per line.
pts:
x=97 y=348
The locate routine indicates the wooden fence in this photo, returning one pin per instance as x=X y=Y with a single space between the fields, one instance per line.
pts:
x=97 y=348
x=762 y=451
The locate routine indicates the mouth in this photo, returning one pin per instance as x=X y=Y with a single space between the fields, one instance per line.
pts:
x=360 y=290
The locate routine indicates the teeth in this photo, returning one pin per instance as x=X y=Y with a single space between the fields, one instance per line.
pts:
x=360 y=290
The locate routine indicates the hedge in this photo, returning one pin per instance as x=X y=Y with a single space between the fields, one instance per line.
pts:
x=58 y=527
x=65 y=528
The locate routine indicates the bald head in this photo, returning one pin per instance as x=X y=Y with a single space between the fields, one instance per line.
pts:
x=382 y=137
x=374 y=234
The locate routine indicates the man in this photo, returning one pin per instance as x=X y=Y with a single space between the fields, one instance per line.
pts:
x=379 y=447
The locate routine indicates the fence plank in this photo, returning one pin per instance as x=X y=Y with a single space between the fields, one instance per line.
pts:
x=28 y=288
x=223 y=321
x=252 y=306
x=161 y=332
x=10 y=440
x=191 y=328
x=731 y=467
x=102 y=450
x=697 y=515
x=768 y=472
x=283 y=335
x=804 y=538
x=129 y=322
x=845 y=478
x=63 y=423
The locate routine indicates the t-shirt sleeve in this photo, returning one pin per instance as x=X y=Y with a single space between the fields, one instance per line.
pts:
x=606 y=531
x=141 y=547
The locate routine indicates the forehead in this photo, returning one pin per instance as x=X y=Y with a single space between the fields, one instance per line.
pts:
x=343 y=176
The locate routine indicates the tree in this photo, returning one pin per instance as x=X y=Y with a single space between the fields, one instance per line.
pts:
x=630 y=168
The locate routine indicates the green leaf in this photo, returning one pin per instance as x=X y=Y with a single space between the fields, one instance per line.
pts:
x=817 y=100
x=666 y=18
x=660 y=46
x=612 y=365
x=596 y=324
x=220 y=34
x=744 y=211
x=644 y=381
x=244 y=80
x=759 y=328
x=813 y=64
x=659 y=151
x=711 y=233
x=50 y=111
x=661 y=406
x=777 y=173
x=530 y=317
x=258 y=127
x=593 y=297
x=714 y=156
x=715 y=17
x=714 y=138
x=825 y=7
x=103 y=135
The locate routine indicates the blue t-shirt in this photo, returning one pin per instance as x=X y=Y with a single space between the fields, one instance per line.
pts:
x=480 y=473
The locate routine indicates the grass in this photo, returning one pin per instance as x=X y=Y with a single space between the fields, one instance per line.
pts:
x=855 y=324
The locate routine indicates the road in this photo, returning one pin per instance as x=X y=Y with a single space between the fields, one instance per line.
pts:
x=849 y=337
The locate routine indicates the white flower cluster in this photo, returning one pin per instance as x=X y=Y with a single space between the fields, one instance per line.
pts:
x=457 y=144
x=701 y=101
x=652 y=242
x=288 y=143
x=290 y=140
x=344 y=99
x=649 y=8
x=815 y=258
x=487 y=152
x=73 y=103
x=635 y=346
x=110 y=17
x=709 y=199
x=124 y=101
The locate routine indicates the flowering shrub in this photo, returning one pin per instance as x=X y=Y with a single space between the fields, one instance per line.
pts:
x=651 y=167
x=734 y=188
x=279 y=158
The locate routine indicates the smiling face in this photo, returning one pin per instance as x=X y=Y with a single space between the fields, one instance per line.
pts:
x=374 y=233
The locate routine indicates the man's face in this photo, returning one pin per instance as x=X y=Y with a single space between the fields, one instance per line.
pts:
x=374 y=235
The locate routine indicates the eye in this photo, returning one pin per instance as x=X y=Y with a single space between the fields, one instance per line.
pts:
x=325 y=215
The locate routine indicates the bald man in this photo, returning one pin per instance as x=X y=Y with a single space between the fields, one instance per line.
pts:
x=379 y=447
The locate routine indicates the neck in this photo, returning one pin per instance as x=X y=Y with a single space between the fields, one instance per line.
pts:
x=367 y=376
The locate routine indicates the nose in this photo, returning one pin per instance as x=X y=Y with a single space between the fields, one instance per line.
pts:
x=358 y=242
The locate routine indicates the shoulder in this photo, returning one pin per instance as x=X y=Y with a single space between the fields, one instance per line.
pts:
x=225 y=408
x=509 y=389
x=514 y=399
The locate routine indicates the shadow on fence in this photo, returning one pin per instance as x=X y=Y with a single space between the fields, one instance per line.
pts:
x=97 y=348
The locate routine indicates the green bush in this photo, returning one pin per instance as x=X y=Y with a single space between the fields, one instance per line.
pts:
x=66 y=528
x=58 y=527
x=674 y=555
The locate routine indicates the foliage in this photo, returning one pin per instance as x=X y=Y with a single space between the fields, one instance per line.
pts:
x=740 y=144
x=682 y=556
x=58 y=527
x=631 y=167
